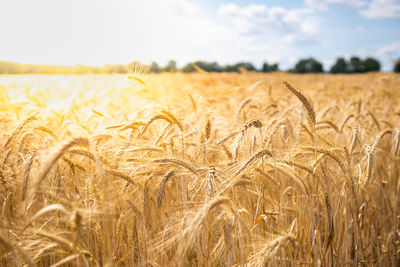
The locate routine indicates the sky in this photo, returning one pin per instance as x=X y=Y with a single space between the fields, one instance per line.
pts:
x=99 y=32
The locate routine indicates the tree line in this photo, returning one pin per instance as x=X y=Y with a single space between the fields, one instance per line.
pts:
x=307 y=65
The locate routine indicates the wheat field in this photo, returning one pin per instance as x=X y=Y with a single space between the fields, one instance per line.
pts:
x=200 y=170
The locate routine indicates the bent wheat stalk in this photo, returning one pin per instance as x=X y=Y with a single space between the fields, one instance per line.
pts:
x=53 y=159
x=252 y=159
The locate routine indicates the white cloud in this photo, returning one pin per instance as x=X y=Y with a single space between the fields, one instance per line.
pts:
x=324 y=4
x=367 y=8
x=255 y=20
x=389 y=53
x=391 y=50
x=382 y=9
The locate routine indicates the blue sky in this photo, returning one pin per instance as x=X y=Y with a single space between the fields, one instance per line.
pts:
x=97 y=32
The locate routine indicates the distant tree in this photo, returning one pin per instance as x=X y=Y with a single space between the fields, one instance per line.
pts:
x=269 y=68
x=309 y=65
x=356 y=65
x=340 y=66
x=171 y=66
x=397 y=66
x=154 y=67
x=371 y=64
x=206 y=66
x=189 y=68
x=236 y=68
x=246 y=65
x=229 y=68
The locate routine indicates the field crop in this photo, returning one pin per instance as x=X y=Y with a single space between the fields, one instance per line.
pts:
x=200 y=170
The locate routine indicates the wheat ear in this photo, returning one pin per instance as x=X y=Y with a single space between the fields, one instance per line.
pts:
x=162 y=186
x=310 y=110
